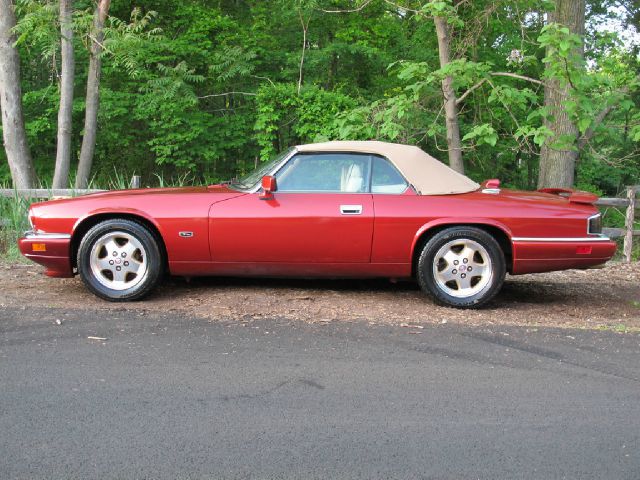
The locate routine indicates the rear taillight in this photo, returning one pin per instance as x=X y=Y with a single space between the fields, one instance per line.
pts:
x=595 y=225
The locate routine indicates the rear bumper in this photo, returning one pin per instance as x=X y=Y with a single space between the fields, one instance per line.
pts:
x=531 y=255
x=52 y=250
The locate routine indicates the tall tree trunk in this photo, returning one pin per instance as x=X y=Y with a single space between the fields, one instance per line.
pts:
x=13 y=132
x=450 y=107
x=557 y=167
x=65 y=111
x=93 y=95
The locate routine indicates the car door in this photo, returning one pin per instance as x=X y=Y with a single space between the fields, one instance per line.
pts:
x=321 y=212
x=399 y=213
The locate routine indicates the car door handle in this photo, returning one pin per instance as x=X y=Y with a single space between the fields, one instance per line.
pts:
x=350 y=209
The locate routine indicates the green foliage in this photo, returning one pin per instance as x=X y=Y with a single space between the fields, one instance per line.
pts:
x=38 y=27
x=203 y=90
x=484 y=133
x=285 y=117
x=128 y=44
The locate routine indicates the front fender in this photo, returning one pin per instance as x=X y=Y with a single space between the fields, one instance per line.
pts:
x=117 y=211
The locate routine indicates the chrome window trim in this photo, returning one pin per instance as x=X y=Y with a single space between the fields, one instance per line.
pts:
x=275 y=170
x=294 y=151
x=32 y=235
x=599 y=238
x=400 y=193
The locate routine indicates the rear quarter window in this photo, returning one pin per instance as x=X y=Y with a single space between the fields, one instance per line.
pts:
x=385 y=178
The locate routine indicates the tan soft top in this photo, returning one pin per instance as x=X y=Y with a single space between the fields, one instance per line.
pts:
x=428 y=175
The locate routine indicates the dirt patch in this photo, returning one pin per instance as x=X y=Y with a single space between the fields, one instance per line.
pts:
x=609 y=297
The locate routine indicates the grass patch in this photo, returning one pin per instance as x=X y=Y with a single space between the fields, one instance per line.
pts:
x=618 y=328
x=13 y=223
x=9 y=251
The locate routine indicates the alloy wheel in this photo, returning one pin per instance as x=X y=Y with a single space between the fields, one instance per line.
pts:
x=118 y=260
x=462 y=268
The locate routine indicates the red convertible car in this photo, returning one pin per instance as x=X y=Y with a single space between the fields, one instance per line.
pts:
x=335 y=209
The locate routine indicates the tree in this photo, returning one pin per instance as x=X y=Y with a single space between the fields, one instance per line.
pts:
x=96 y=37
x=559 y=153
x=65 y=111
x=13 y=131
x=450 y=105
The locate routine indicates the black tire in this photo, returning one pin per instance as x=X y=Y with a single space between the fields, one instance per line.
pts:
x=148 y=255
x=432 y=277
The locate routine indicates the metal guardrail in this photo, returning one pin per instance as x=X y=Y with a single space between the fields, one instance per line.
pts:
x=58 y=192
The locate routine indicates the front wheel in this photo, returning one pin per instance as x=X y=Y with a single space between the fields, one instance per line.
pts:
x=119 y=260
x=462 y=267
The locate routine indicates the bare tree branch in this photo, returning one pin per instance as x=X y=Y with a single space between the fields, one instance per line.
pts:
x=520 y=77
x=228 y=93
x=305 y=27
x=466 y=94
x=264 y=78
x=352 y=10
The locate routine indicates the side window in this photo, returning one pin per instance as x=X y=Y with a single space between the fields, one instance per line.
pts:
x=386 y=178
x=325 y=172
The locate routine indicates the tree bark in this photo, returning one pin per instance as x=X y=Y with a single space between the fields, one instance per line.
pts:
x=65 y=111
x=450 y=105
x=557 y=167
x=13 y=131
x=93 y=95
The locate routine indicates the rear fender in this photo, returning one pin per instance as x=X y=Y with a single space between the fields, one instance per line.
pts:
x=455 y=222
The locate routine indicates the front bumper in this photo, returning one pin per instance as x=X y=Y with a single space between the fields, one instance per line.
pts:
x=52 y=250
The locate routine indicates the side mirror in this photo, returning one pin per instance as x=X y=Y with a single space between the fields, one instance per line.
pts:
x=269 y=186
x=493 y=183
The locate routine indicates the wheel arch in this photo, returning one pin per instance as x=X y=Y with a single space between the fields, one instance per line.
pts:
x=501 y=233
x=85 y=224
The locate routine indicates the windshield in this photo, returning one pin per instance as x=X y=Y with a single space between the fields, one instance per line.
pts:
x=250 y=180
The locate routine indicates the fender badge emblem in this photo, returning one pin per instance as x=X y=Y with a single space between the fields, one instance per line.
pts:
x=186 y=234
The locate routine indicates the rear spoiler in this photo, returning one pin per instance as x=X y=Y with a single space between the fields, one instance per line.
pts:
x=574 y=196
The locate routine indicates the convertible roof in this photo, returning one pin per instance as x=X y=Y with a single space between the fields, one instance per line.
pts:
x=428 y=175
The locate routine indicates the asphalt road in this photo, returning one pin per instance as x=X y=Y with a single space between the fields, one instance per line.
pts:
x=175 y=397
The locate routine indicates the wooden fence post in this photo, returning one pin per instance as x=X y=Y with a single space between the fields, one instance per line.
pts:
x=135 y=181
x=628 y=223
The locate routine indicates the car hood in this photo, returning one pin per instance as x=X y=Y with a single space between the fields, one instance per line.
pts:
x=223 y=190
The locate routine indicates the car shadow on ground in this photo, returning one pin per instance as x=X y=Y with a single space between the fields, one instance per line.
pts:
x=513 y=292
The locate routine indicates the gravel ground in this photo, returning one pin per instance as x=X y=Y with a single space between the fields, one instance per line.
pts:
x=608 y=297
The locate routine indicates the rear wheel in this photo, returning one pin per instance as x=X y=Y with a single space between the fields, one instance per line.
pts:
x=119 y=260
x=462 y=267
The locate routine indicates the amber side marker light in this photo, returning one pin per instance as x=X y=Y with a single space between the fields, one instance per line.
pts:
x=39 y=247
